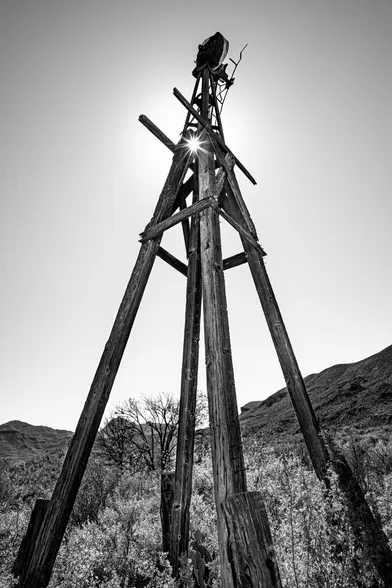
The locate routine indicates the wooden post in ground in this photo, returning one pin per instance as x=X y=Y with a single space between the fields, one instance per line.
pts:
x=51 y=532
x=254 y=559
x=28 y=543
x=226 y=444
x=186 y=428
x=167 y=495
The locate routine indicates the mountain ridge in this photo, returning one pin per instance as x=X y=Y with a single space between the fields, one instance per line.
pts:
x=346 y=397
x=354 y=395
x=20 y=441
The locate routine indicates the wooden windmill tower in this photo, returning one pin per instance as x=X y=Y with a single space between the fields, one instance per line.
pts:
x=198 y=202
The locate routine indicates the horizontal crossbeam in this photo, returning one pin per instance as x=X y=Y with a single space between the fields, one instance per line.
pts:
x=173 y=261
x=210 y=131
x=159 y=228
x=234 y=260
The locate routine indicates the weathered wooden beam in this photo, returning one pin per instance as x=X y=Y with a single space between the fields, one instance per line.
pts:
x=238 y=227
x=157 y=132
x=185 y=227
x=253 y=556
x=153 y=231
x=234 y=260
x=29 y=540
x=186 y=425
x=361 y=517
x=183 y=193
x=210 y=131
x=173 y=261
x=226 y=444
x=167 y=495
x=213 y=83
x=53 y=527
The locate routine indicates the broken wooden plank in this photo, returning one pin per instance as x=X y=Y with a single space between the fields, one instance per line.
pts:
x=173 y=261
x=157 y=132
x=153 y=231
x=211 y=133
x=234 y=260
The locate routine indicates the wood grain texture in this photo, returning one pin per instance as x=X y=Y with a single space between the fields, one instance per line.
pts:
x=173 y=261
x=29 y=540
x=153 y=231
x=375 y=542
x=253 y=562
x=234 y=260
x=241 y=230
x=226 y=444
x=167 y=494
x=186 y=427
x=157 y=132
x=294 y=381
x=53 y=528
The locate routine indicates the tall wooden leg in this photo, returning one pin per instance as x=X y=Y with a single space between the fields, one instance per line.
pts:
x=226 y=444
x=186 y=428
x=295 y=383
x=361 y=517
x=54 y=524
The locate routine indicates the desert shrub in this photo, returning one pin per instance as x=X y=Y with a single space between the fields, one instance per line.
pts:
x=99 y=482
x=114 y=537
x=312 y=537
x=118 y=550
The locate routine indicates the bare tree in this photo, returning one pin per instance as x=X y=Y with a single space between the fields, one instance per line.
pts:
x=114 y=443
x=154 y=423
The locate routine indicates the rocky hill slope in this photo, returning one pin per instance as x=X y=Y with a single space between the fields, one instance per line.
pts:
x=345 y=397
x=20 y=441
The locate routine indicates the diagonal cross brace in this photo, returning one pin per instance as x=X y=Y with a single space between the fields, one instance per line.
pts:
x=211 y=133
x=159 y=228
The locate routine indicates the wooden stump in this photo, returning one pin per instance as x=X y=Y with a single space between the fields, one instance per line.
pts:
x=167 y=494
x=253 y=561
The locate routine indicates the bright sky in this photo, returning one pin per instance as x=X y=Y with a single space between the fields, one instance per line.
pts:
x=310 y=117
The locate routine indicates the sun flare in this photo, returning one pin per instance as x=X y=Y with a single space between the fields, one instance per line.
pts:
x=194 y=144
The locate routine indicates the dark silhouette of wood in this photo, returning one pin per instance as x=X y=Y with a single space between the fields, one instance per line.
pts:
x=362 y=519
x=226 y=444
x=205 y=124
x=29 y=540
x=173 y=261
x=253 y=562
x=167 y=493
x=157 y=132
x=159 y=228
x=185 y=228
x=52 y=530
x=295 y=384
x=234 y=260
x=238 y=227
x=186 y=426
